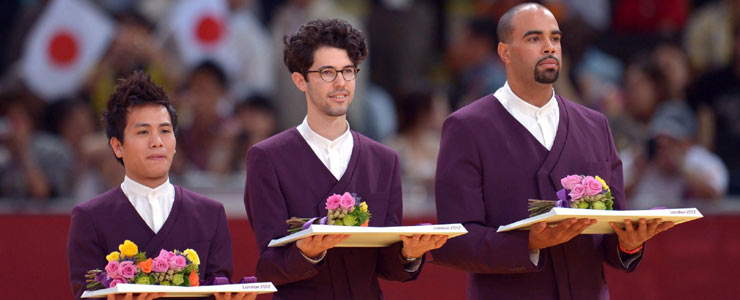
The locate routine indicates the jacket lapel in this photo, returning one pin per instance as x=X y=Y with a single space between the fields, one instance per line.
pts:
x=156 y=243
x=545 y=180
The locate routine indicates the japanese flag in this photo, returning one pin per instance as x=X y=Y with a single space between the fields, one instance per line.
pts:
x=201 y=32
x=66 y=43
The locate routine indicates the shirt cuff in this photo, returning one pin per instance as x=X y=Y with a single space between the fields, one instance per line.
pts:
x=628 y=259
x=314 y=260
x=413 y=266
x=534 y=257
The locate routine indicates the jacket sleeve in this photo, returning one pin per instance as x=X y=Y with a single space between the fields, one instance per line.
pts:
x=84 y=251
x=267 y=212
x=459 y=196
x=612 y=255
x=390 y=265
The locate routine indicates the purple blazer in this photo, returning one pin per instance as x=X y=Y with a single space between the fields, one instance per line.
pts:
x=488 y=166
x=100 y=224
x=285 y=179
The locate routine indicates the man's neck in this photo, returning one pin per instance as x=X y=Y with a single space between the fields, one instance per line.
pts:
x=149 y=182
x=327 y=126
x=537 y=94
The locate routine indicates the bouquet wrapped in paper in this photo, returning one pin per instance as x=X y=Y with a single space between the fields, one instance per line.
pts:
x=342 y=210
x=578 y=191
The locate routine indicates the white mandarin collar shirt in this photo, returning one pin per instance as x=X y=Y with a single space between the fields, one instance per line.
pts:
x=152 y=204
x=334 y=154
x=542 y=122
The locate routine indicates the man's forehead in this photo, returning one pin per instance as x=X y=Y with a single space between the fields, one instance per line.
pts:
x=534 y=18
x=331 y=56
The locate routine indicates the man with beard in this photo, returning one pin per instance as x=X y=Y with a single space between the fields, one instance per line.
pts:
x=515 y=145
x=292 y=173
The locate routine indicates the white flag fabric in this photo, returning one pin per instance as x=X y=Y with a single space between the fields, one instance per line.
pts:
x=65 y=44
x=201 y=32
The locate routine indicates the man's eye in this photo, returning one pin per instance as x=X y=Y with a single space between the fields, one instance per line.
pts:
x=143 y=132
x=327 y=72
x=165 y=131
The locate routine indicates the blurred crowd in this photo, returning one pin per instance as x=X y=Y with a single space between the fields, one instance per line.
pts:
x=665 y=72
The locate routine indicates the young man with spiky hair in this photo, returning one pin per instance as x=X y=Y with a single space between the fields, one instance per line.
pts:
x=146 y=209
x=292 y=173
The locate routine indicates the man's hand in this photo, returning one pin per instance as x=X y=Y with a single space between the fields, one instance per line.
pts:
x=630 y=238
x=415 y=246
x=139 y=296
x=312 y=246
x=235 y=296
x=542 y=236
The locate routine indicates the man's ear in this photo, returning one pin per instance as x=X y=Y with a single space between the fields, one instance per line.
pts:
x=299 y=81
x=503 y=52
x=117 y=147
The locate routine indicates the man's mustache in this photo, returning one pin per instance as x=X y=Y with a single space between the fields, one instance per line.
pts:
x=547 y=57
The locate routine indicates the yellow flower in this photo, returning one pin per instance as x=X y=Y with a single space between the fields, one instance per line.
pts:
x=363 y=207
x=113 y=256
x=128 y=248
x=603 y=183
x=192 y=256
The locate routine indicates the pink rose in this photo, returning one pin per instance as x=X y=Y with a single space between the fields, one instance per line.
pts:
x=577 y=192
x=570 y=181
x=177 y=262
x=333 y=201
x=116 y=281
x=166 y=255
x=160 y=265
x=113 y=268
x=127 y=268
x=593 y=186
x=347 y=201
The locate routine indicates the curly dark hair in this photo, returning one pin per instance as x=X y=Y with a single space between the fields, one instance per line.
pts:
x=135 y=90
x=300 y=47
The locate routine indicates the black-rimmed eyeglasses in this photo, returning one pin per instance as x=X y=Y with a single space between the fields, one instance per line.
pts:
x=329 y=74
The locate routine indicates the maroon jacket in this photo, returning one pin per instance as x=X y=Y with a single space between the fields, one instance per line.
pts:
x=100 y=224
x=488 y=166
x=285 y=179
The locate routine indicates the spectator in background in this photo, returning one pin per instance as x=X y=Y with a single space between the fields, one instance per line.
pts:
x=257 y=72
x=33 y=164
x=716 y=97
x=421 y=115
x=256 y=121
x=475 y=61
x=674 y=168
x=203 y=141
x=708 y=39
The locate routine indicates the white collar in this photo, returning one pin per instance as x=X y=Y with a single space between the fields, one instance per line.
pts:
x=511 y=101
x=138 y=189
x=314 y=138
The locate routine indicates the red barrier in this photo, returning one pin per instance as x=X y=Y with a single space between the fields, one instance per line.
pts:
x=699 y=259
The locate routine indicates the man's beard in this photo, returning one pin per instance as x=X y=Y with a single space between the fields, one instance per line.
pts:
x=549 y=75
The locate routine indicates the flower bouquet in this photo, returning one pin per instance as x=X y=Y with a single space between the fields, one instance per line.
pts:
x=128 y=265
x=578 y=191
x=342 y=210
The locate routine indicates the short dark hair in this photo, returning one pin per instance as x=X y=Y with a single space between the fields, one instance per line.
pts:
x=212 y=68
x=135 y=90
x=300 y=47
x=484 y=28
x=505 y=27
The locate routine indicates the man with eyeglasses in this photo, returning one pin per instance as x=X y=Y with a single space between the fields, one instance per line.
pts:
x=292 y=173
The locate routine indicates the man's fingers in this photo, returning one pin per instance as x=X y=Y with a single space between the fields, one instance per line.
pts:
x=628 y=227
x=664 y=226
x=616 y=228
x=425 y=237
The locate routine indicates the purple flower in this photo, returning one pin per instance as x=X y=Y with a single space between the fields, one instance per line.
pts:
x=593 y=186
x=128 y=270
x=577 y=192
x=177 y=262
x=333 y=201
x=570 y=181
x=160 y=265
x=116 y=281
x=103 y=278
x=347 y=201
x=113 y=268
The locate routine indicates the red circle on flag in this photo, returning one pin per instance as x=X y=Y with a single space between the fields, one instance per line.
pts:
x=209 y=29
x=63 y=48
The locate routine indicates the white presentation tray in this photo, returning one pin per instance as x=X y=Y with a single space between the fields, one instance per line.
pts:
x=371 y=236
x=603 y=217
x=182 y=291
